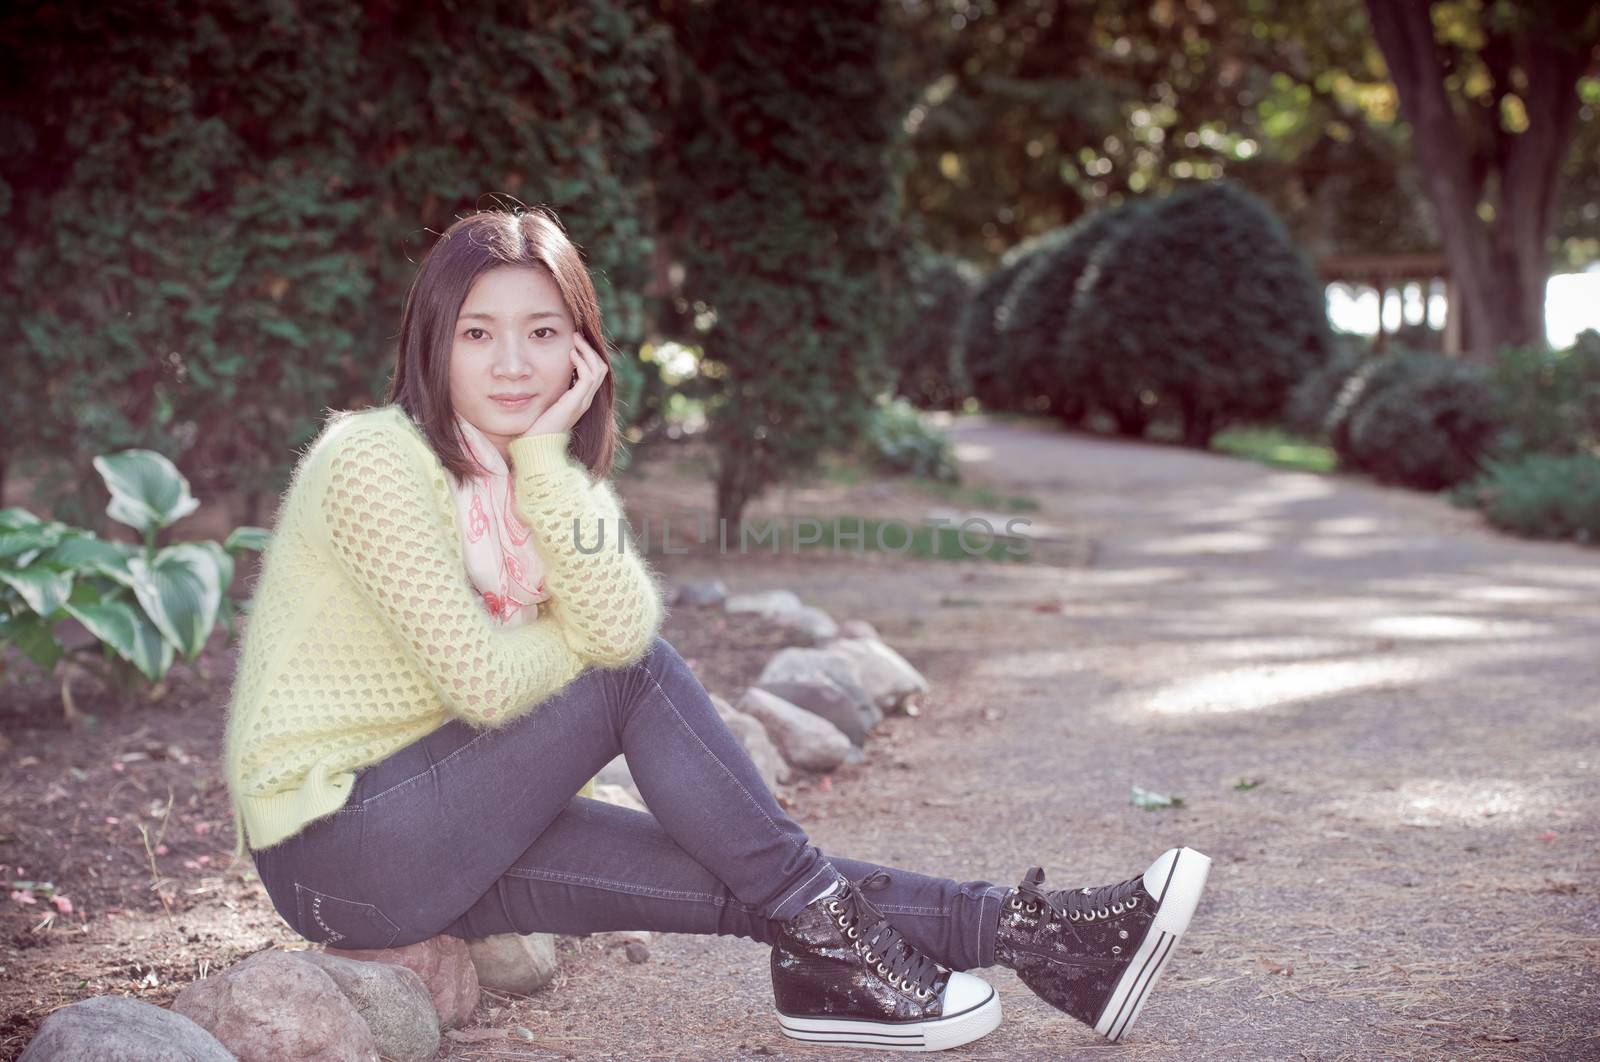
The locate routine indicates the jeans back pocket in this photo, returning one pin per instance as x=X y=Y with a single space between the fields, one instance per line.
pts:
x=339 y=923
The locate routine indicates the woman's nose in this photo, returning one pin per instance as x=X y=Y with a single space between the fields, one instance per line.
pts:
x=512 y=361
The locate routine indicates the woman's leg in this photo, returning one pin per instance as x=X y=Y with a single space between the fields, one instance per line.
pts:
x=601 y=867
x=455 y=830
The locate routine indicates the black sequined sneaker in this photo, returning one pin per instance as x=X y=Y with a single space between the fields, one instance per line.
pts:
x=843 y=975
x=1096 y=952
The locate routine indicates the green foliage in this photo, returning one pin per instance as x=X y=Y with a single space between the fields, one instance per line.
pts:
x=1204 y=307
x=1273 y=446
x=1539 y=495
x=1550 y=399
x=144 y=604
x=1314 y=399
x=926 y=354
x=1427 y=423
x=1044 y=372
x=215 y=211
x=1000 y=377
x=898 y=440
x=781 y=172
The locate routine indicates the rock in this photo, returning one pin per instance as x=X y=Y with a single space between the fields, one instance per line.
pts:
x=757 y=744
x=515 y=962
x=445 y=967
x=637 y=952
x=812 y=624
x=832 y=688
x=274 y=1006
x=119 y=1029
x=616 y=773
x=827 y=701
x=858 y=628
x=701 y=594
x=806 y=740
x=615 y=794
x=392 y=999
x=886 y=676
x=767 y=604
x=616 y=938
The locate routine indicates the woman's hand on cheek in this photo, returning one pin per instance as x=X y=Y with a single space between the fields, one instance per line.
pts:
x=589 y=369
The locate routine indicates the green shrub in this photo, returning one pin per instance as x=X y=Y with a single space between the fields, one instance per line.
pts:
x=899 y=441
x=1540 y=495
x=1205 y=307
x=1549 y=399
x=926 y=354
x=1038 y=307
x=144 y=605
x=1429 y=426
x=987 y=349
x=1312 y=400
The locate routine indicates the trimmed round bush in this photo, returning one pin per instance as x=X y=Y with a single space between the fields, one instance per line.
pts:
x=1207 y=307
x=986 y=349
x=1039 y=305
x=1550 y=399
x=1540 y=496
x=1429 y=427
x=1312 y=400
x=926 y=354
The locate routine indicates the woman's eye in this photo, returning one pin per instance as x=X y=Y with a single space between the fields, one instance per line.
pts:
x=468 y=332
x=552 y=331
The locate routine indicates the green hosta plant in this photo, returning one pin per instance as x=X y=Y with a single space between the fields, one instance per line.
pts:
x=143 y=603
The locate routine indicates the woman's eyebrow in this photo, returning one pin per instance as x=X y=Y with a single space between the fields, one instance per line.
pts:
x=481 y=316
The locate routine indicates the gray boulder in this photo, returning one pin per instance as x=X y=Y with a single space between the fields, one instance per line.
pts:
x=887 y=677
x=767 y=603
x=702 y=594
x=392 y=999
x=833 y=688
x=805 y=739
x=119 y=1029
x=515 y=962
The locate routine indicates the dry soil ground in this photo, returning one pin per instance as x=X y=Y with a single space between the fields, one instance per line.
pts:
x=1380 y=716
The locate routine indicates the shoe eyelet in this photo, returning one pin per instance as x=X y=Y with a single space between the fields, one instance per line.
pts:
x=1122 y=934
x=924 y=993
x=1014 y=903
x=851 y=932
x=1088 y=916
x=833 y=905
x=1103 y=913
x=1132 y=901
x=882 y=969
x=1116 y=949
x=1032 y=908
x=1074 y=915
x=1116 y=908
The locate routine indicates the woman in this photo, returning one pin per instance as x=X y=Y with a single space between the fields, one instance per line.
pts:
x=438 y=659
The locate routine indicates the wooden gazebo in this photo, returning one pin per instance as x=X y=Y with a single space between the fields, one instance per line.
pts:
x=1386 y=271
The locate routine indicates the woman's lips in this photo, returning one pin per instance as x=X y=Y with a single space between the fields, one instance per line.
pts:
x=514 y=403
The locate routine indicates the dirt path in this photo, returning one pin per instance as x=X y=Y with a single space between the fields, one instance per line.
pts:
x=1412 y=876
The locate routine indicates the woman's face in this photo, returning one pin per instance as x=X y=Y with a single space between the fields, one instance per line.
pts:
x=512 y=340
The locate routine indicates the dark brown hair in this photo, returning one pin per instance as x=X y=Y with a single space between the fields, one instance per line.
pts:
x=468 y=249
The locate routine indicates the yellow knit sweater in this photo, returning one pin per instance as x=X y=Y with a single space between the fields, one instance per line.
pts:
x=364 y=633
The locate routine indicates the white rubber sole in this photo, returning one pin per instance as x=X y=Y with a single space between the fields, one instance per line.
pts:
x=1178 y=895
x=952 y=1030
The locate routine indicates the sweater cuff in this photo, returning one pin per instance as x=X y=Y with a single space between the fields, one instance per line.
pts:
x=539 y=454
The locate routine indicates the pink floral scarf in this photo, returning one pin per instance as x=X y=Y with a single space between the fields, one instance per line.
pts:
x=497 y=546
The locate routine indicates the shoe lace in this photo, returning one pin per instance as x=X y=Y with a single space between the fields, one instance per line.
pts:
x=1078 y=905
x=880 y=942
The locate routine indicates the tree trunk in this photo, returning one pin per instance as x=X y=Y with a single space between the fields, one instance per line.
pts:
x=1499 y=268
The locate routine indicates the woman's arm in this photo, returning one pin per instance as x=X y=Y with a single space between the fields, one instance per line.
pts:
x=388 y=533
x=609 y=603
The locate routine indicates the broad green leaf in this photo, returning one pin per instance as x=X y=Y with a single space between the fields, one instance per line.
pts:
x=30 y=539
x=147 y=490
x=44 y=589
x=224 y=561
x=129 y=633
x=15 y=517
x=97 y=555
x=180 y=591
x=255 y=538
x=34 y=638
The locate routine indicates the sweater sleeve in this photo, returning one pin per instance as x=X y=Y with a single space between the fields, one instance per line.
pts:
x=607 y=599
x=387 y=533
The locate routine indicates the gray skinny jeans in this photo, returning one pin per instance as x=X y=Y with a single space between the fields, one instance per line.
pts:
x=475 y=832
